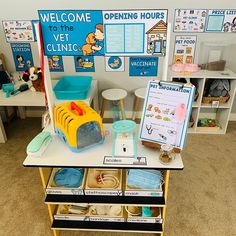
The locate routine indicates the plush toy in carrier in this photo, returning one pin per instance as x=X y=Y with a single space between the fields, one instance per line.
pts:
x=78 y=125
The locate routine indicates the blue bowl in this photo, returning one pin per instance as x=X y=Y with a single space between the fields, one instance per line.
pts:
x=73 y=87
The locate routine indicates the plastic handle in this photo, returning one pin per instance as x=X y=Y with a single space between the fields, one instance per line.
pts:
x=74 y=106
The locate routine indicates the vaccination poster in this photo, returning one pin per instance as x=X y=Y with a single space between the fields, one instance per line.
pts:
x=22 y=56
x=184 y=49
x=135 y=32
x=143 y=66
x=72 y=32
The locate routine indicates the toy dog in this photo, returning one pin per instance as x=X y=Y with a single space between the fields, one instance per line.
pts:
x=90 y=42
x=34 y=74
x=78 y=125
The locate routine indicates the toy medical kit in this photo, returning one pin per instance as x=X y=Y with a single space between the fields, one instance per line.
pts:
x=39 y=144
x=69 y=177
x=22 y=88
x=78 y=125
x=73 y=87
x=124 y=142
x=167 y=154
x=8 y=89
x=144 y=179
x=103 y=178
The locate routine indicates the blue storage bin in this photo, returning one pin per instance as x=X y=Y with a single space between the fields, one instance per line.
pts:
x=73 y=87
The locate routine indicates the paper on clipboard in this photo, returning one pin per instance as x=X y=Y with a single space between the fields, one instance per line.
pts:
x=160 y=121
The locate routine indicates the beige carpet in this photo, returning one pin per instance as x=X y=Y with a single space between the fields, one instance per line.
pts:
x=201 y=202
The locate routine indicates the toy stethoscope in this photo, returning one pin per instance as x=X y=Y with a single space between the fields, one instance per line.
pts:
x=149 y=129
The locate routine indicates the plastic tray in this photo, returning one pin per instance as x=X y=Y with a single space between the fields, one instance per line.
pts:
x=73 y=87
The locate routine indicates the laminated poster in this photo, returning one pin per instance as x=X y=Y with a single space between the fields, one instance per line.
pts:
x=135 y=32
x=99 y=33
x=18 y=31
x=115 y=63
x=22 y=56
x=55 y=63
x=84 y=64
x=143 y=66
x=184 y=49
x=190 y=20
x=166 y=113
x=221 y=21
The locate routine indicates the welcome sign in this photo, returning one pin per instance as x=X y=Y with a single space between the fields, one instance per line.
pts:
x=96 y=32
x=72 y=32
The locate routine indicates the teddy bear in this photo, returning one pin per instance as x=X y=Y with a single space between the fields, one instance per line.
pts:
x=34 y=75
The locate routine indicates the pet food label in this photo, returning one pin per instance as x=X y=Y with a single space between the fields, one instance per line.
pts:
x=143 y=66
x=184 y=49
x=135 y=32
x=190 y=20
x=221 y=21
x=166 y=113
x=22 y=56
x=143 y=193
x=65 y=191
x=18 y=31
x=144 y=220
x=103 y=192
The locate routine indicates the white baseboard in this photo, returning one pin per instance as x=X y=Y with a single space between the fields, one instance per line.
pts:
x=107 y=114
x=232 y=117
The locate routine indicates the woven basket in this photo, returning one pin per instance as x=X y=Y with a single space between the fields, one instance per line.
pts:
x=220 y=99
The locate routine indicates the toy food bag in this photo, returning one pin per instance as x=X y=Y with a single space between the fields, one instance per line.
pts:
x=78 y=125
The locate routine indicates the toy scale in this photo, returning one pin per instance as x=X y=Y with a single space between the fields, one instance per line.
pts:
x=124 y=142
x=78 y=125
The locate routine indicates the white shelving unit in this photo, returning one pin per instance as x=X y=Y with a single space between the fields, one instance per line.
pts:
x=206 y=110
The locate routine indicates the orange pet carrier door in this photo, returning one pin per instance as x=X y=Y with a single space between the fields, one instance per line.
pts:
x=78 y=125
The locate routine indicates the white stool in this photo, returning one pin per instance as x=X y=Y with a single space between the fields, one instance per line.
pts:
x=113 y=95
x=139 y=94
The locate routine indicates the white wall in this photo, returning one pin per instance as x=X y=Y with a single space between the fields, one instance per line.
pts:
x=27 y=10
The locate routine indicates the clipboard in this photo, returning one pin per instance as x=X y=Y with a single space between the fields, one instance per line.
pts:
x=166 y=113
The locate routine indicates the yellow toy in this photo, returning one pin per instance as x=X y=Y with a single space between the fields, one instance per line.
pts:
x=78 y=125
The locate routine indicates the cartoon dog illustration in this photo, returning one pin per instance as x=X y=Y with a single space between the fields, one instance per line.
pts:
x=90 y=42
x=226 y=26
x=115 y=64
x=149 y=107
x=94 y=41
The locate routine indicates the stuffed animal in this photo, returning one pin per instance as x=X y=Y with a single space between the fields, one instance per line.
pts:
x=219 y=88
x=34 y=74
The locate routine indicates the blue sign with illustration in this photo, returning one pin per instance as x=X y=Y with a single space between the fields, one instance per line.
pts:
x=22 y=56
x=143 y=66
x=55 y=63
x=72 y=32
x=114 y=62
x=84 y=64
